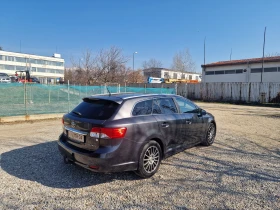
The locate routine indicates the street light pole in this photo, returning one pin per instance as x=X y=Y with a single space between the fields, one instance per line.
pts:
x=133 y=60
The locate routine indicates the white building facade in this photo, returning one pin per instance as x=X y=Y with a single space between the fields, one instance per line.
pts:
x=47 y=69
x=247 y=70
x=170 y=74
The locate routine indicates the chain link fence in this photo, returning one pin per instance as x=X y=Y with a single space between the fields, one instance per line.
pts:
x=30 y=99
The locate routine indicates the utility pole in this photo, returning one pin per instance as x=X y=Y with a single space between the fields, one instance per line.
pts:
x=263 y=54
x=204 y=50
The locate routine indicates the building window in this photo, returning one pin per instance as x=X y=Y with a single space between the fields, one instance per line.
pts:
x=9 y=58
x=258 y=70
x=174 y=75
x=32 y=61
x=9 y=67
x=209 y=73
x=196 y=77
x=190 y=77
x=239 y=71
x=20 y=68
x=41 y=70
x=34 y=69
x=219 y=72
x=230 y=72
x=166 y=75
x=22 y=60
x=183 y=76
x=60 y=71
x=1 y=57
x=273 y=69
x=1 y=66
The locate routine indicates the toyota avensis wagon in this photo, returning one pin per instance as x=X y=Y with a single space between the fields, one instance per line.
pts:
x=132 y=132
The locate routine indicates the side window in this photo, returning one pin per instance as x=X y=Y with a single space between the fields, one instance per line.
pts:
x=167 y=105
x=185 y=105
x=156 y=107
x=143 y=108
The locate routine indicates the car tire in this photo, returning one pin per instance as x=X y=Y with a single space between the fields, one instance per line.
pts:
x=210 y=135
x=149 y=159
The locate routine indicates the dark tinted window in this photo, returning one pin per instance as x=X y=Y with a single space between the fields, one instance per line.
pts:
x=156 y=107
x=185 y=105
x=219 y=72
x=95 y=109
x=259 y=70
x=273 y=69
x=239 y=71
x=209 y=72
x=143 y=108
x=230 y=72
x=167 y=105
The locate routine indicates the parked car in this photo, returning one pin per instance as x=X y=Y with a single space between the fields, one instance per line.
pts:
x=132 y=132
x=35 y=79
x=4 y=78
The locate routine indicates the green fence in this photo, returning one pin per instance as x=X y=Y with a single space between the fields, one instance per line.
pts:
x=29 y=99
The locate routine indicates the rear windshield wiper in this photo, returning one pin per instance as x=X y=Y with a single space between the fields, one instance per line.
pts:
x=77 y=113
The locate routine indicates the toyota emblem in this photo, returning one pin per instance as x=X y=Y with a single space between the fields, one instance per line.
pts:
x=73 y=124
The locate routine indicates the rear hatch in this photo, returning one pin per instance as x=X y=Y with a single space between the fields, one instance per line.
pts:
x=83 y=120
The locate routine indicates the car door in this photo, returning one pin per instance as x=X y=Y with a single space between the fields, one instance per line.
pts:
x=193 y=127
x=169 y=121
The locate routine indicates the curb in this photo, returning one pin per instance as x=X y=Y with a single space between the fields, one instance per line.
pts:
x=30 y=117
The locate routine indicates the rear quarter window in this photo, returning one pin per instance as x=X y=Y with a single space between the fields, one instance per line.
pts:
x=143 y=108
x=95 y=109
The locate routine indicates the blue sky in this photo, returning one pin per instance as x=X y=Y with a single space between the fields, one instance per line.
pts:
x=154 y=28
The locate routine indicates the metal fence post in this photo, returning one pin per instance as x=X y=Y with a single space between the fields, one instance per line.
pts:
x=68 y=98
x=49 y=94
x=25 y=98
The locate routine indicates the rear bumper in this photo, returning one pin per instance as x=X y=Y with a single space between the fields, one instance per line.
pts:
x=106 y=160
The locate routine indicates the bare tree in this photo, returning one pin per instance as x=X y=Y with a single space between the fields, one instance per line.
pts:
x=182 y=61
x=152 y=63
x=272 y=54
x=135 y=76
x=107 y=65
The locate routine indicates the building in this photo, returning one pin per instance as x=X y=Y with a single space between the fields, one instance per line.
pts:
x=47 y=69
x=170 y=74
x=246 y=70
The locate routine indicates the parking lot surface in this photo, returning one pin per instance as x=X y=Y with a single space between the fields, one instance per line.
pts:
x=240 y=171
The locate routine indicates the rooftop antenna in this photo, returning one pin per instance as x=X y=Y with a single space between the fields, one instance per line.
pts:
x=108 y=90
x=263 y=54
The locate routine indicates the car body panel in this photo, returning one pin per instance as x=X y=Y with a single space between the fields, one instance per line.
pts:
x=174 y=132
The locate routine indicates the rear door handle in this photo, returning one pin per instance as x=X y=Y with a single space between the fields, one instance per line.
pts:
x=164 y=125
x=188 y=122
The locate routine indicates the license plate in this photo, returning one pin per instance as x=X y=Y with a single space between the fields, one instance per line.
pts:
x=76 y=136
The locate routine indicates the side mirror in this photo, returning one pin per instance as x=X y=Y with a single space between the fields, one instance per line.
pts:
x=203 y=112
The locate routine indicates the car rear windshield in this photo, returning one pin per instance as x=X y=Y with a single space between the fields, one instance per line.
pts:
x=95 y=109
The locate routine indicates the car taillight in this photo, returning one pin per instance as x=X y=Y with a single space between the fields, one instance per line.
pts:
x=111 y=133
x=62 y=120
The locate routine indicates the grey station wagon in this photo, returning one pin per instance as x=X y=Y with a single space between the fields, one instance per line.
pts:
x=132 y=132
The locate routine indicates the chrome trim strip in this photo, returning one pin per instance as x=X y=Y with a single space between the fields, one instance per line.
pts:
x=75 y=131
